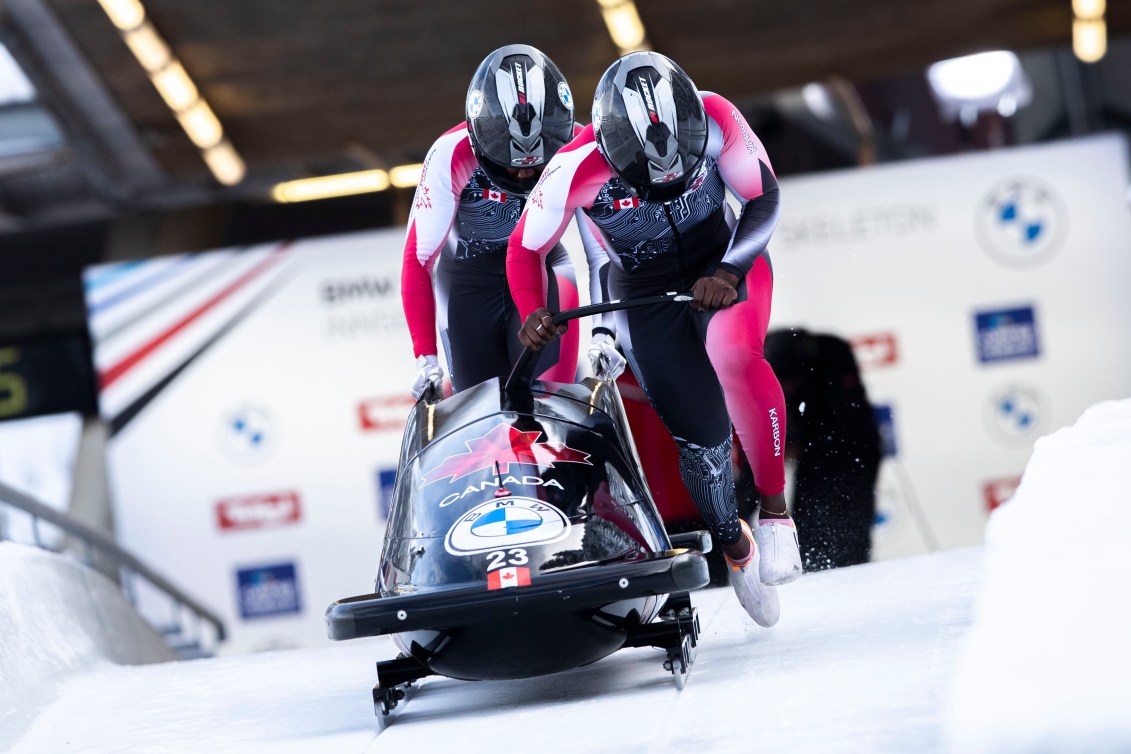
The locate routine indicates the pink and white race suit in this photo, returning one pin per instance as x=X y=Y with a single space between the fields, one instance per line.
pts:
x=453 y=277
x=701 y=370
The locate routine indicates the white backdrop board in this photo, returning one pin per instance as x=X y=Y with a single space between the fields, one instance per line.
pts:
x=987 y=297
x=256 y=400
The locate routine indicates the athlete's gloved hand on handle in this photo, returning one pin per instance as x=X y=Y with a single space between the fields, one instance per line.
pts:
x=607 y=362
x=716 y=291
x=429 y=372
x=538 y=330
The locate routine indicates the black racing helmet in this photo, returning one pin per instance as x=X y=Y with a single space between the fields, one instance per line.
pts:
x=519 y=114
x=650 y=125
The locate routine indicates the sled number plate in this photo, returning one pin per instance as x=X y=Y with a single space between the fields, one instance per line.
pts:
x=502 y=558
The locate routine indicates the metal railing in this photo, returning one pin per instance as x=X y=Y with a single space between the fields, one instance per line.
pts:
x=96 y=544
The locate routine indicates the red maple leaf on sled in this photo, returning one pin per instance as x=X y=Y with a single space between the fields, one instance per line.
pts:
x=501 y=447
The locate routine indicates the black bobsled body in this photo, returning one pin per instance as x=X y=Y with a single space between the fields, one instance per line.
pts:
x=522 y=539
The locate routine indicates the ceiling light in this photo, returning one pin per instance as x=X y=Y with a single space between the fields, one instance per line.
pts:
x=405 y=176
x=1089 y=10
x=968 y=85
x=125 y=14
x=201 y=125
x=225 y=163
x=175 y=87
x=624 y=25
x=1089 y=40
x=148 y=47
x=325 y=187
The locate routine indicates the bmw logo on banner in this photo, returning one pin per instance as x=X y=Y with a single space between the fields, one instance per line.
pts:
x=1021 y=222
x=247 y=435
x=506 y=522
x=1015 y=413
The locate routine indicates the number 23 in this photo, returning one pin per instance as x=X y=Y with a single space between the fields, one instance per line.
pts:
x=502 y=558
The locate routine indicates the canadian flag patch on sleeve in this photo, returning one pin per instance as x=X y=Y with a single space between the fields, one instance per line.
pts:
x=494 y=195
x=509 y=576
x=627 y=203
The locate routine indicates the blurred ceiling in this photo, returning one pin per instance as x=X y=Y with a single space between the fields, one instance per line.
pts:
x=313 y=88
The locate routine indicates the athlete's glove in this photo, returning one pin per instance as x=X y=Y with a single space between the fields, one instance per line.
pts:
x=607 y=362
x=429 y=373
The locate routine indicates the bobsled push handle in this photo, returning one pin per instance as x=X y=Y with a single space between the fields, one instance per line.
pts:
x=524 y=367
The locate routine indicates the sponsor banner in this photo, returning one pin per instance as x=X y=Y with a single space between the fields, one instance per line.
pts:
x=1006 y=334
x=384 y=414
x=997 y=492
x=386 y=484
x=268 y=591
x=259 y=511
x=245 y=426
x=885 y=422
x=875 y=350
x=1003 y=273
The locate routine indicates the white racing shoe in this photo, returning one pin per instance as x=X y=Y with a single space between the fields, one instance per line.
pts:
x=781 y=557
x=759 y=600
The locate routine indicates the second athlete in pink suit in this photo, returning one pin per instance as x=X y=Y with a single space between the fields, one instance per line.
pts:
x=651 y=173
x=475 y=180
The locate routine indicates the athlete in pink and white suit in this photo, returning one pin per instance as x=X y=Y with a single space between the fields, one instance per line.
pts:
x=472 y=190
x=653 y=178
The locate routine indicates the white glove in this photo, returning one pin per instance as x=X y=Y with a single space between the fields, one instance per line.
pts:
x=428 y=373
x=607 y=362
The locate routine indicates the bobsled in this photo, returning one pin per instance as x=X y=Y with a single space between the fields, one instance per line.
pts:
x=522 y=539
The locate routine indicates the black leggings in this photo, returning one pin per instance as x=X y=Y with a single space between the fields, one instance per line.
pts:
x=479 y=322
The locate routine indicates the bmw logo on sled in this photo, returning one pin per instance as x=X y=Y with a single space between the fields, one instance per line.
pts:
x=522 y=538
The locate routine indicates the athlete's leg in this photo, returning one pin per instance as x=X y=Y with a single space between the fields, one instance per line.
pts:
x=756 y=405
x=664 y=347
x=477 y=315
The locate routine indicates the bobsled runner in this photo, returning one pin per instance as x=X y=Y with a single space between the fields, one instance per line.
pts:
x=523 y=540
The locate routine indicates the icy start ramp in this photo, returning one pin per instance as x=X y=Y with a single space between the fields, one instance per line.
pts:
x=859 y=662
x=58 y=618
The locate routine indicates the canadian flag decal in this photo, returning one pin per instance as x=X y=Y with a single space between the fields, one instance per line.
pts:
x=509 y=576
x=494 y=195
x=627 y=202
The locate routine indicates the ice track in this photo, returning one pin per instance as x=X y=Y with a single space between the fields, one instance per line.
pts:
x=860 y=662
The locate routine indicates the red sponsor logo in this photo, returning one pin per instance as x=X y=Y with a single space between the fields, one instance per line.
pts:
x=383 y=414
x=997 y=491
x=875 y=351
x=494 y=195
x=507 y=577
x=501 y=447
x=626 y=203
x=259 y=511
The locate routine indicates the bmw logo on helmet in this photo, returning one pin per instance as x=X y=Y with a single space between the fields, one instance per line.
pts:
x=474 y=103
x=565 y=95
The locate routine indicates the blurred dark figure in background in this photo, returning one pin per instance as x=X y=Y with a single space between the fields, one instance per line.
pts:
x=835 y=443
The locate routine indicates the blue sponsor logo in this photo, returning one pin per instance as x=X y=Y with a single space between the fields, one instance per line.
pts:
x=246 y=434
x=386 y=483
x=1021 y=221
x=266 y=591
x=1015 y=412
x=885 y=423
x=1006 y=334
x=506 y=522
